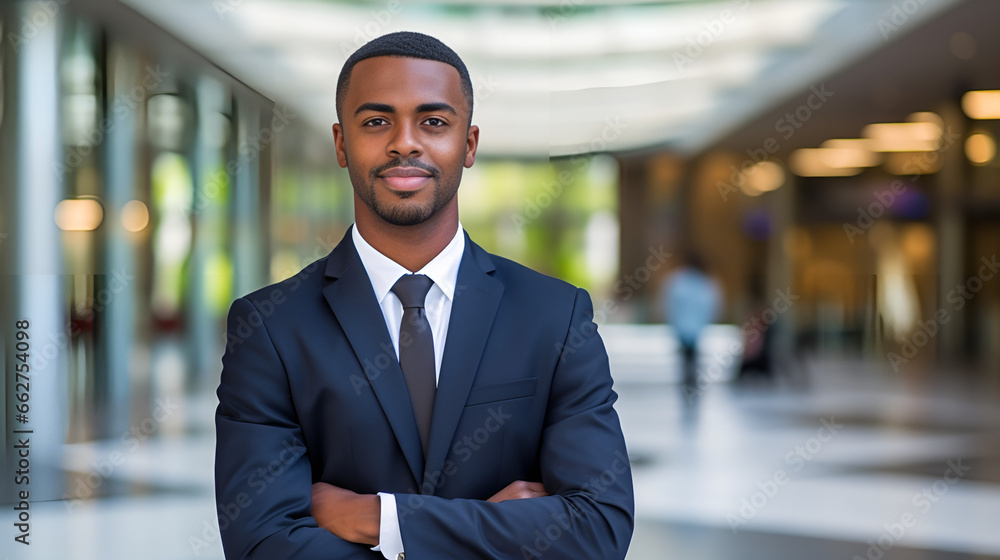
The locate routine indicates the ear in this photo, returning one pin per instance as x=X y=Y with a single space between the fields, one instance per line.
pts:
x=338 y=141
x=471 y=144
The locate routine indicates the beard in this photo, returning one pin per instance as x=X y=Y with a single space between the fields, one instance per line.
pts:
x=396 y=210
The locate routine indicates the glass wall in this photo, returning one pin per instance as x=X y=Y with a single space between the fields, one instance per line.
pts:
x=122 y=233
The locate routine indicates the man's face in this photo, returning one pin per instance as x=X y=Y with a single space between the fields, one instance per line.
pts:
x=405 y=137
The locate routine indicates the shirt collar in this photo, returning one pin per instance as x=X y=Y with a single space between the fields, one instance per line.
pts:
x=384 y=272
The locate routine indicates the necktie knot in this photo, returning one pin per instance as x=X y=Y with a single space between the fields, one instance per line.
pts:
x=411 y=289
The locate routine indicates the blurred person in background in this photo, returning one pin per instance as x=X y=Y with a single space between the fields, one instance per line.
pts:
x=692 y=300
x=489 y=416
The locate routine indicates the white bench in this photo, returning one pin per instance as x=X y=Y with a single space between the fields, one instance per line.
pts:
x=651 y=353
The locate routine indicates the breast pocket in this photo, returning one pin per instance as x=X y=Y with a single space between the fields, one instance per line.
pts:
x=508 y=390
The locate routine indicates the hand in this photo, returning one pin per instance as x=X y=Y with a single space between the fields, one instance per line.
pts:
x=519 y=490
x=351 y=516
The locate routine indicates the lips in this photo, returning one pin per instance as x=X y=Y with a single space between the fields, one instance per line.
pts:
x=405 y=178
x=405 y=172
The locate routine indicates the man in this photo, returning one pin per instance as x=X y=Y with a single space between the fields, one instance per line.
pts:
x=692 y=300
x=464 y=411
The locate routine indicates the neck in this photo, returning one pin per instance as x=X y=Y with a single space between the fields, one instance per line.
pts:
x=410 y=246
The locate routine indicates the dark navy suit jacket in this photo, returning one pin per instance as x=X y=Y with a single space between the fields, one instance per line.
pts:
x=311 y=391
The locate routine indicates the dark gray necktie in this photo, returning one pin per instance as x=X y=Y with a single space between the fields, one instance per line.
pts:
x=416 y=350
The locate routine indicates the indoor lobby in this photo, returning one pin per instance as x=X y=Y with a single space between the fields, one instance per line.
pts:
x=827 y=167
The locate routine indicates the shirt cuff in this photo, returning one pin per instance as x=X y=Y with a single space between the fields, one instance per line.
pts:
x=390 y=541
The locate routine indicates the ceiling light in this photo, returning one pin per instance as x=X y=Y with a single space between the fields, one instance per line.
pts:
x=79 y=214
x=847 y=153
x=983 y=104
x=980 y=148
x=135 y=216
x=819 y=162
x=763 y=177
x=903 y=137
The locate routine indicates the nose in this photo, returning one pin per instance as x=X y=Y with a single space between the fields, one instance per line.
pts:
x=404 y=141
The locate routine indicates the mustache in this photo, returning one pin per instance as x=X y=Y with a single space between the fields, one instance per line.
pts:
x=404 y=162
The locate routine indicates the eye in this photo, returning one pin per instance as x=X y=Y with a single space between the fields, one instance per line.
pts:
x=435 y=122
x=377 y=121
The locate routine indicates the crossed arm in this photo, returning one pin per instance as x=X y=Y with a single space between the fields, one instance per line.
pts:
x=355 y=517
x=270 y=509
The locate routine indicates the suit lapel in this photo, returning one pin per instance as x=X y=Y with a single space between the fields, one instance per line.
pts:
x=477 y=297
x=353 y=302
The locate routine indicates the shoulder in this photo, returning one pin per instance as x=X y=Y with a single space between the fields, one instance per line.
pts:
x=302 y=288
x=526 y=286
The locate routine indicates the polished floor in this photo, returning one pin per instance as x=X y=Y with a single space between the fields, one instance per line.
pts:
x=844 y=464
x=839 y=461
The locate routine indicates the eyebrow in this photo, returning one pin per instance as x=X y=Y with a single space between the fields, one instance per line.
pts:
x=422 y=108
x=376 y=107
x=435 y=107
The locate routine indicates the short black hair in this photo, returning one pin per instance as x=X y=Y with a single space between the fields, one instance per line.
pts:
x=406 y=44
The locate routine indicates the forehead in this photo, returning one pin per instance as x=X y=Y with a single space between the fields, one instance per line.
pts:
x=402 y=81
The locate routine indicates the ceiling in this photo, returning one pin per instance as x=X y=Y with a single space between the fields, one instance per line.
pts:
x=920 y=70
x=556 y=77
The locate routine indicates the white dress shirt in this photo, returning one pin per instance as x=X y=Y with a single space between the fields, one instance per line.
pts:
x=383 y=273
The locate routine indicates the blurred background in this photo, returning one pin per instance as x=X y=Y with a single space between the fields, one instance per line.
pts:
x=787 y=213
